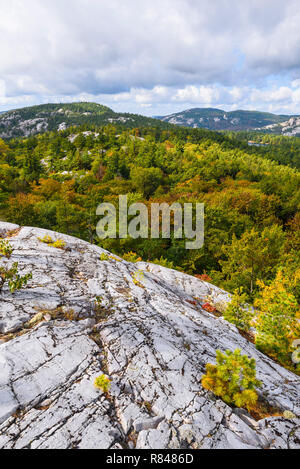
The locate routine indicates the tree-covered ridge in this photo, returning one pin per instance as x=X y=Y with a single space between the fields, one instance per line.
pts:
x=217 y=119
x=56 y=180
x=283 y=150
x=52 y=117
x=71 y=108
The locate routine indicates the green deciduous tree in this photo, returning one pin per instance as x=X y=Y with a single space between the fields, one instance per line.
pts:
x=146 y=180
x=239 y=312
x=278 y=324
x=254 y=256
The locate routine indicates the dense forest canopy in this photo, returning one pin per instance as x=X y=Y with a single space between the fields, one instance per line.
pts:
x=251 y=193
x=284 y=150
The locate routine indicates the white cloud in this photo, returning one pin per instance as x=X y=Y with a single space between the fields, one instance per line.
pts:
x=273 y=41
x=150 y=102
x=157 y=94
x=160 y=52
x=199 y=95
x=295 y=83
x=275 y=95
x=2 y=89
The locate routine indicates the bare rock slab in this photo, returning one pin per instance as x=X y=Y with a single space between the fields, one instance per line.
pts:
x=149 y=337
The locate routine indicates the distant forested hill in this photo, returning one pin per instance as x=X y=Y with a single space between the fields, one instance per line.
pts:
x=50 y=117
x=217 y=119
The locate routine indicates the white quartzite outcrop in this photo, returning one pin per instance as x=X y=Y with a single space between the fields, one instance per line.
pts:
x=146 y=332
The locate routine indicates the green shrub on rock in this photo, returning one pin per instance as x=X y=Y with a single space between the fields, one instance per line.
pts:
x=233 y=379
x=102 y=383
x=10 y=274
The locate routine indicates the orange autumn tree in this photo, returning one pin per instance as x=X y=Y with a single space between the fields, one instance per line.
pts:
x=22 y=209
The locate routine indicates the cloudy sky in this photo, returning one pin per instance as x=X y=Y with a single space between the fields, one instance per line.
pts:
x=153 y=57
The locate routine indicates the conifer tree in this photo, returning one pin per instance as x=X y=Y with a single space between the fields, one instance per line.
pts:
x=233 y=379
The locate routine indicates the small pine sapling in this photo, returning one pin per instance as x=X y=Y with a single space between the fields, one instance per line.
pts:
x=233 y=379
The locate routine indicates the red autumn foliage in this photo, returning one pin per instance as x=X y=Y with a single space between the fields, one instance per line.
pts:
x=204 y=277
x=209 y=308
x=194 y=303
